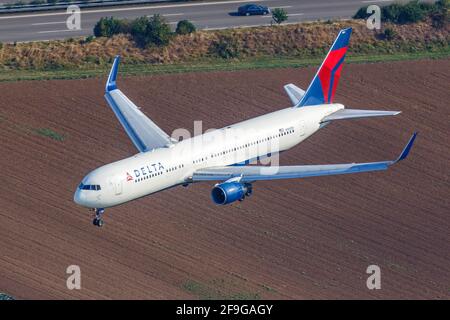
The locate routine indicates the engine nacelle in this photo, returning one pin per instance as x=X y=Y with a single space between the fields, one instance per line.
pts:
x=229 y=192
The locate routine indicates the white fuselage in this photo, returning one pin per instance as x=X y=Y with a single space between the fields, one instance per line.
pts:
x=159 y=169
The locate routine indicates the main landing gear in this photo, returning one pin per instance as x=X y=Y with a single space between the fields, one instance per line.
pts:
x=98 y=221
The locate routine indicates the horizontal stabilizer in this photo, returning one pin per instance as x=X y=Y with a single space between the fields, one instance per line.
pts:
x=294 y=93
x=356 y=113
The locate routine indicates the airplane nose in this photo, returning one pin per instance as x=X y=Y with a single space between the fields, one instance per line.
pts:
x=79 y=197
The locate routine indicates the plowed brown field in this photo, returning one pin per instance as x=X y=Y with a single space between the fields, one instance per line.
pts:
x=311 y=238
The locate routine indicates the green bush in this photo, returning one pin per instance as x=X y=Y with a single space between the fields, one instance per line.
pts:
x=144 y=30
x=439 y=16
x=226 y=47
x=89 y=39
x=389 y=34
x=185 y=27
x=411 y=12
x=279 y=15
x=151 y=31
x=408 y=13
x=361 y=13
x=443 y=4
x=109 y=26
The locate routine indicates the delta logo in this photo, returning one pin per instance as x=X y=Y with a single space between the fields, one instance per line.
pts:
x=129 y=177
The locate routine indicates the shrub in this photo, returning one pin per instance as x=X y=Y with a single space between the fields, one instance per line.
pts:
x=151 y=31
x=226 y=47
x=391 y=12
x=185 y=27
x=443 y=4
x=361 y=13
x=279 y=15
x=109 y=26
x=89 y=39
x=410 y=12
x=439 y=16
x=145 y=31
x=389 y=34
x=439 y=19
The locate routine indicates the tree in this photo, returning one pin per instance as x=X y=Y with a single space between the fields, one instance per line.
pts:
x=151 y=31
x=185 y=27
x=109 y=26
x=279 y=15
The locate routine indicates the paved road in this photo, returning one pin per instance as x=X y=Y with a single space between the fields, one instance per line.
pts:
x=205 y=15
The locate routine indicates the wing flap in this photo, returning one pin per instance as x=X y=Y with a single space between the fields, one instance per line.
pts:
x=256 y=173
x=345 y=114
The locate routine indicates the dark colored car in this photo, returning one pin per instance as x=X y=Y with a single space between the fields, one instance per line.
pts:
x=253 y=9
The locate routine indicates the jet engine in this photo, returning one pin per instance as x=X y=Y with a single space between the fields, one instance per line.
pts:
x=229 y=192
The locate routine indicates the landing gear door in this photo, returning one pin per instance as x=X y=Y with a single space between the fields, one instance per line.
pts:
x=301 y=128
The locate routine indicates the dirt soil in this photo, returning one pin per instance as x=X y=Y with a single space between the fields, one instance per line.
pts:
x=311 y=238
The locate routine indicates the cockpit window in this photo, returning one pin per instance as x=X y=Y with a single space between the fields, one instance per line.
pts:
x=89 y=187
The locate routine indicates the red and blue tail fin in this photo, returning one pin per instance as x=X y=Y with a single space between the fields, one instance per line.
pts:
x=323 y=87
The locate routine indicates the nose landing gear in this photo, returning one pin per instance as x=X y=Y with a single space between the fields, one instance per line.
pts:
x=98 y=221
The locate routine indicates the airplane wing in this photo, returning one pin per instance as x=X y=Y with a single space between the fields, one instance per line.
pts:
x=344 y=114
x=256 y=173
x=144 y=133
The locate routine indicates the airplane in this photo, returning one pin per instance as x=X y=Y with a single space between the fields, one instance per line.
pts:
x=224 y=155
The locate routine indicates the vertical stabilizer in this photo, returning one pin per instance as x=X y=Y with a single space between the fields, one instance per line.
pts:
x=323 y=87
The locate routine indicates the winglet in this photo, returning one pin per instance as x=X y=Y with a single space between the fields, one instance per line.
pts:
x=111 y=83
x=406 y=150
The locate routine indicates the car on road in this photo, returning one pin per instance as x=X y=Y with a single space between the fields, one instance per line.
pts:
x=253 y=9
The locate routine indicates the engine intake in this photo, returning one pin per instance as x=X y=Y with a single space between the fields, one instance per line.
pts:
x=229 y=192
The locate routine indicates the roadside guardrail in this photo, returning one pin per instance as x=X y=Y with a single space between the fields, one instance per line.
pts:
x=82 y=4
